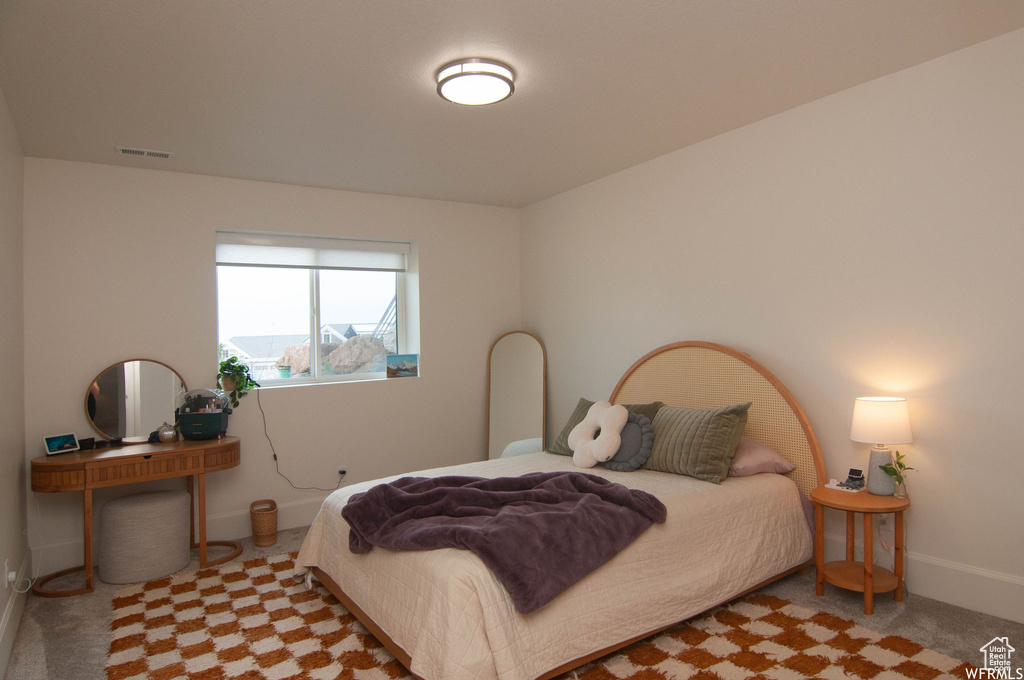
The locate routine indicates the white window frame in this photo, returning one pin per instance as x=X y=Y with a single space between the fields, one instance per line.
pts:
x=307 y=261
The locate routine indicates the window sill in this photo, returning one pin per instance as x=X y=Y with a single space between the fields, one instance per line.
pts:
x=306 y=382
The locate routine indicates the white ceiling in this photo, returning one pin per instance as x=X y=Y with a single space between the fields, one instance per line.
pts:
x=338 y=93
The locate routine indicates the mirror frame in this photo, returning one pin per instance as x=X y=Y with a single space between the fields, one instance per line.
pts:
x=88 y=390
x=543 y=391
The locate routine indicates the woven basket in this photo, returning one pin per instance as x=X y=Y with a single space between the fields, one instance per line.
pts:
x=264 y=522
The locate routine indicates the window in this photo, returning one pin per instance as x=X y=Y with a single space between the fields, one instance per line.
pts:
x=299 y=309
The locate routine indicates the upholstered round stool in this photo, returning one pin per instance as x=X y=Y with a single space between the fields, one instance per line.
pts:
x=144 y=536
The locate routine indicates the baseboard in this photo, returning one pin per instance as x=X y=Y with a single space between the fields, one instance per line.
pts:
x=224 y=526
x=981 y=590
x=12 y=617
x=236 y=524
x=51 y=557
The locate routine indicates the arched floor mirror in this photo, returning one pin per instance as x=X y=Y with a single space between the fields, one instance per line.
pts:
x=516 y=395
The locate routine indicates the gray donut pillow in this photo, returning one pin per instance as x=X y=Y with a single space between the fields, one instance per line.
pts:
x=637 y=440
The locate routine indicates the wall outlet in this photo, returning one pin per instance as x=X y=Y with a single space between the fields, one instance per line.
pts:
x=342 y=472
x=9 y=576
x=885 y=537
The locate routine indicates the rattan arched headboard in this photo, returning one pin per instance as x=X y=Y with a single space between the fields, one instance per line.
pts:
x=696 y=374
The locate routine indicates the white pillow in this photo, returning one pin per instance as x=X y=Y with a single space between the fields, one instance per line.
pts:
x=521 y=447
x=606 y=422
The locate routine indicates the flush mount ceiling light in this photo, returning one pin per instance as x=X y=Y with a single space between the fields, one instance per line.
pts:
x=475 y=82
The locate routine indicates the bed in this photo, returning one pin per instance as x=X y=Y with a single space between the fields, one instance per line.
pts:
x=446 y=617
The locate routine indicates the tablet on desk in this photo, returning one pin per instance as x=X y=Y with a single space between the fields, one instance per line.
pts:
x=60 y=443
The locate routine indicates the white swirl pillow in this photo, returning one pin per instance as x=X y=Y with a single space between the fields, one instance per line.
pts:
x=597 y=437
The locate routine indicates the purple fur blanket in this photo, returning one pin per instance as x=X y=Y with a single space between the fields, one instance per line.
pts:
x=539 y=533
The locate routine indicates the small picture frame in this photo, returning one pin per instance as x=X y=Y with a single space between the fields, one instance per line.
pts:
x=60 y=443
x=403 y=365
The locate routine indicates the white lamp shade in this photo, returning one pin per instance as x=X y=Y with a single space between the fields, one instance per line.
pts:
x=881 y=420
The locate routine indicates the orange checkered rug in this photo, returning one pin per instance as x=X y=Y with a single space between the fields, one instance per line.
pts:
x=251 y=621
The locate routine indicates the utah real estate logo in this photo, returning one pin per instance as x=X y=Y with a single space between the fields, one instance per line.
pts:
x=998 y=664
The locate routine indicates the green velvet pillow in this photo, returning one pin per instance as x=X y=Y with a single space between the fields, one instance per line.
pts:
x=561 y=444
x=646 y=410
x=699 y=442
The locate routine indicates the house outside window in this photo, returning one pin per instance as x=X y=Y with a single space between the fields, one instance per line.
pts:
x=299 y=309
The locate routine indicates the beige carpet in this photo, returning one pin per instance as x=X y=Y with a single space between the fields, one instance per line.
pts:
x=249 y=620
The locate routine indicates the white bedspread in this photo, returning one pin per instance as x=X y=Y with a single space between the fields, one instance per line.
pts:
x=457 y=622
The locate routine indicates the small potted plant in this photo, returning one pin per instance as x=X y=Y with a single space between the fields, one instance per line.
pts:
x=235 y=379
x=895 y=469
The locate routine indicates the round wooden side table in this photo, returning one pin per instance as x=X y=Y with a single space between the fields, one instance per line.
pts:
x=863 y=576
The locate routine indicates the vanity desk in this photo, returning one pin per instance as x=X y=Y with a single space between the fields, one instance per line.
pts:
x=87 y=470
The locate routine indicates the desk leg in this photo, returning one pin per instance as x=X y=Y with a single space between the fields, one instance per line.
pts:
x=39 y=587
x=191 y=513
x=236 y=547
x=869 y=580
x=897 y=565
x=87 y=512
x=202 y=519
x=851 y=534
x=819 y=548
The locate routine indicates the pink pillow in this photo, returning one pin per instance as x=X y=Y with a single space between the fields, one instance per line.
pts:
x=752 y=457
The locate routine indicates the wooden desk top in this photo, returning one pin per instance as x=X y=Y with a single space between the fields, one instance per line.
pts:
x=862 y=501
x=81 y=470
x=77 y=459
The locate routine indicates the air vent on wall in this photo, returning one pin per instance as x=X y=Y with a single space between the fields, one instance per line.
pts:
x=148 y=153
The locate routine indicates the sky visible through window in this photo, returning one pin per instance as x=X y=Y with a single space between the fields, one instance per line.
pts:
x=276 y=301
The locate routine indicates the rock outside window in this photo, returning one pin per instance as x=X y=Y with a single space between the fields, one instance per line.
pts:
x=306 y=309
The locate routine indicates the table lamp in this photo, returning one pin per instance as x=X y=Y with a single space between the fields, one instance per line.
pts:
x=880 y=421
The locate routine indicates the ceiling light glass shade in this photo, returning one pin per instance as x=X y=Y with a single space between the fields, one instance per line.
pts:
x=475 y=82
x=881 y=420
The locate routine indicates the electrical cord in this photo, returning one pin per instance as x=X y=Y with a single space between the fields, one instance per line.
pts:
x=30 y=580
x=277 y=464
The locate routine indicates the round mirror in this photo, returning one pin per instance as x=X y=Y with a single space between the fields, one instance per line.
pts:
x=132 y=398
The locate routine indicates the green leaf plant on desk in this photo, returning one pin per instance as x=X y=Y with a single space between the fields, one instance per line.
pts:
x=235 y=379
x=895 y=469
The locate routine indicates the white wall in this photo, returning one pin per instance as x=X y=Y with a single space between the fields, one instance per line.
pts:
x=12 y=413
x=125 y=259
x=866 y=243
